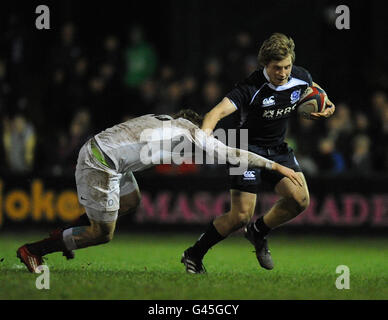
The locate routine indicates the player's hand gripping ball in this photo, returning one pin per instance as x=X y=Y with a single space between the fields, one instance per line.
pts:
x=313 y=100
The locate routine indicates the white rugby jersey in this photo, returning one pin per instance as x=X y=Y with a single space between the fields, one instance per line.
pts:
x=142 y=142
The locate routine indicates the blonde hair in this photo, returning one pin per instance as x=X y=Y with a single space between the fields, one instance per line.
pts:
x=277 y=47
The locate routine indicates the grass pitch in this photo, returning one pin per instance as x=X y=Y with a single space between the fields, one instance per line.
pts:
x=147 y=267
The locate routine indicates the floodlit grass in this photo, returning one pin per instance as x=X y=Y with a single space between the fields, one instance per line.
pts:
x=147 y=267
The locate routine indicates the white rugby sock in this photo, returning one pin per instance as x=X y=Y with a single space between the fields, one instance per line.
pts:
x=68 y=239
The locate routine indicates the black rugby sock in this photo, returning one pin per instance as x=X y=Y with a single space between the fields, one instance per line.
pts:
x=205 y=242
x=261 y=228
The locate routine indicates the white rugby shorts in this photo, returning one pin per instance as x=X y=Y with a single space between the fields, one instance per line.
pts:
x=100 y=187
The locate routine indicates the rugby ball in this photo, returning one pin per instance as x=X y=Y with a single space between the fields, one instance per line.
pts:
x=313 y=100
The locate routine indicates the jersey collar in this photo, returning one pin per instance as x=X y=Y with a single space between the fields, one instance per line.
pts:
x=276 y=88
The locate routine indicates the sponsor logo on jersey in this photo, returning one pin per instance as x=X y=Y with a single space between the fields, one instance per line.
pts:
x=249 y=175
x=295 y=96
x=270 y=101
x=278 y=113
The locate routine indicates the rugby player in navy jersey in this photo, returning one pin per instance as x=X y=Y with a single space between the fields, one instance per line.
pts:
x=263 y=104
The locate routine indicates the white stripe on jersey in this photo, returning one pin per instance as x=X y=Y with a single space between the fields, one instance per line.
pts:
x=293 y=82
x=233 y=103
x=256 y=93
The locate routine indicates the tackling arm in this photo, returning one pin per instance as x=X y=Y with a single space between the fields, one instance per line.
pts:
x=245 y=158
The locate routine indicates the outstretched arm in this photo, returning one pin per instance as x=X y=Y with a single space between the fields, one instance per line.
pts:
x=256 y=161
x=245 y=158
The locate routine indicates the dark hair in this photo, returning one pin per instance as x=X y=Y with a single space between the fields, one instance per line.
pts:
x=189 y=115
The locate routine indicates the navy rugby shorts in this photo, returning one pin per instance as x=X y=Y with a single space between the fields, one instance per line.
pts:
x=253 y=178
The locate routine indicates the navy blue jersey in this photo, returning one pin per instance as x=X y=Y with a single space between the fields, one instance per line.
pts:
x=264 y=109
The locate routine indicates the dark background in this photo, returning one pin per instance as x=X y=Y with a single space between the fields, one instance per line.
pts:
x=351 y=65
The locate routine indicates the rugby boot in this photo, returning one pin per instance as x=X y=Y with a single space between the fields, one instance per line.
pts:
x=30 y=260
x=260 y=243
x=192 y=264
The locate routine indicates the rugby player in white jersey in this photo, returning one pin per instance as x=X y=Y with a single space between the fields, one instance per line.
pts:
x=106 y=185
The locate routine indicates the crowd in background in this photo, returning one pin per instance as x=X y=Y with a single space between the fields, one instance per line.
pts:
x=83 y=90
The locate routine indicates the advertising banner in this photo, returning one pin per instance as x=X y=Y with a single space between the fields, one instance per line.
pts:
x=193 y=199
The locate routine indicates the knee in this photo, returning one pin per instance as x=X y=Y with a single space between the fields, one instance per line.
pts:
x=243 y=218
x=102 y=234
x=301 y=202
x=240 y=219
x=242 y=214
x=105 y=238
